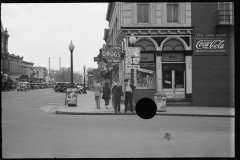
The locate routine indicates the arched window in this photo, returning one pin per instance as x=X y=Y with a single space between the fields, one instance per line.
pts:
x=145 y=45
x=173 y=44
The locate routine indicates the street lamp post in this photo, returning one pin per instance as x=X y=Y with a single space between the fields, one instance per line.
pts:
x=71 y=48
x=84 y=67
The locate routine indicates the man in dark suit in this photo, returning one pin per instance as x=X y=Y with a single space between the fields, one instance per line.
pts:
x=117 y=91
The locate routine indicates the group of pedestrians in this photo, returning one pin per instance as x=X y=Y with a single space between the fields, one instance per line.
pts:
x=115 y=93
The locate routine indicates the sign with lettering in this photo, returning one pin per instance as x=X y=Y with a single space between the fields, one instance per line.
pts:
x=135 y=66
x=128 y=62
x=71 y=96
x=136 y=60
x=173 y=57
x=147 y=57
x=143 y=65
x=210 y=44
x=114 y=60
x=128 y=66
x=132 y=51
x=111 y=53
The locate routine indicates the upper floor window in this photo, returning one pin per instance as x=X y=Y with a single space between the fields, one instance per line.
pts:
x=226 y=12
x=172 y=12
x=142 y=13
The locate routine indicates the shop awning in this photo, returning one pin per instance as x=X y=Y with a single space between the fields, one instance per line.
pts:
x=12 y=79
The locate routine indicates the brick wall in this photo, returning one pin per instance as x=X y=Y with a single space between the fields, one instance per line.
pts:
x=211 y=81
x=213 y=76
x=204 y=17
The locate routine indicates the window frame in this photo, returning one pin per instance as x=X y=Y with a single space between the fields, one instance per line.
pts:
x=179 y=13
x=231 y=13
x=149 y=13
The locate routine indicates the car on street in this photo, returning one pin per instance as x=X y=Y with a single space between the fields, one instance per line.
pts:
x=62 y=86
x=23 y=86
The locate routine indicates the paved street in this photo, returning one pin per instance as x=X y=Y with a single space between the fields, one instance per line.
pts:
x=29 y=132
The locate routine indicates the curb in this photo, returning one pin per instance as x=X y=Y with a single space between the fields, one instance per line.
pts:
x=158 y=114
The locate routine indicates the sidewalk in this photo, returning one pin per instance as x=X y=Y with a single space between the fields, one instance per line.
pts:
x=86 y=106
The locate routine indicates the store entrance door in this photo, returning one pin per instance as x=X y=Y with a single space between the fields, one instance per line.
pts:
x=174 y=83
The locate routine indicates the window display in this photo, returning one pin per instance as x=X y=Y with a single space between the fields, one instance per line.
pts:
x=146 y=76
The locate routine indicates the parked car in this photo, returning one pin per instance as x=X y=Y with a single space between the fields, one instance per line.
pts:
x=36 y=86
x=41 y=85
x=11 y=87
x=62 y=86
x=32 y=86
x=79 y=89
x=23 y=86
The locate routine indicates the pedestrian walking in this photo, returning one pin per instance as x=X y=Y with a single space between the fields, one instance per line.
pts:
x=129 y=87
x=113 y=98
x=106 y=94
x=117 y=91
x=97 y=90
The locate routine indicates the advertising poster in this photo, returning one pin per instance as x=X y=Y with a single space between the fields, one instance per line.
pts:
x=71 y=96
x=210 y=44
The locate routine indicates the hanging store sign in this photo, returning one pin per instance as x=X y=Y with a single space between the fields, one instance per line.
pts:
x=111 y=53
x=210 y=44
x=114 y=60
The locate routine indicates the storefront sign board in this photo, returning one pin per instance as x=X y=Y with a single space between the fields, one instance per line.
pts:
x=173 y=57
x=147 y=65
x=210 y=44
x=147 y=57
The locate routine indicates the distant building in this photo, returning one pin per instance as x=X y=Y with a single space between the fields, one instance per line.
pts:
x=40 y=72
x=12 y=65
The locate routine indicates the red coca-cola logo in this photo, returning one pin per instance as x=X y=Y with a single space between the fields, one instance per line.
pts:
x=210 y=44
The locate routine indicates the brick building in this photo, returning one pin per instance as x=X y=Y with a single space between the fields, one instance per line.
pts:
x=187 y=50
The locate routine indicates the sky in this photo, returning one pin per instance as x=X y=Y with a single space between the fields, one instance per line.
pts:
x=42 y=30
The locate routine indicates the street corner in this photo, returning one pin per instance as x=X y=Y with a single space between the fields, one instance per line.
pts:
x=51 y=107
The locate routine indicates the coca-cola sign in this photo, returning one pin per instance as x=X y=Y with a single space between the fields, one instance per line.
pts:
x=210 y=43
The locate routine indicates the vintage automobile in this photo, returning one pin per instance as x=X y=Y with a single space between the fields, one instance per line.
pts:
x=41 y=85
x=36 y=86
x=62 y=86
x=23 y=86
x=32 y=86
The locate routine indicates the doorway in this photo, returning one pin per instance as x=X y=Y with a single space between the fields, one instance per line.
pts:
x=174 y=83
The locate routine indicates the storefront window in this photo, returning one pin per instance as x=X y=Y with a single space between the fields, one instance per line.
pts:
x=146 y=76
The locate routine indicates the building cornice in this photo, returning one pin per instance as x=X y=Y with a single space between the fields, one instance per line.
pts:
x=152 y=32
